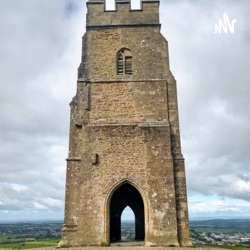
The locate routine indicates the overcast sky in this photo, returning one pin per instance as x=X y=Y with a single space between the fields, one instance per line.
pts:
x=40 y=50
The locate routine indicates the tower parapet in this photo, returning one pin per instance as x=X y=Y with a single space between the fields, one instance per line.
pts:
x=123 y=15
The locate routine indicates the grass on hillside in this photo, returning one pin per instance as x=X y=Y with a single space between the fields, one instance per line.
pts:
x=234 y=247
x=30 y=244
x=224 y=247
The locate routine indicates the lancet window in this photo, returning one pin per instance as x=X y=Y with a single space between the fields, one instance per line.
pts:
x=124 y=62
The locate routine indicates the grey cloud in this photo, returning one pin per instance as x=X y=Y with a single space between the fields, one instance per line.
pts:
x=212 y=76
x=40 y=52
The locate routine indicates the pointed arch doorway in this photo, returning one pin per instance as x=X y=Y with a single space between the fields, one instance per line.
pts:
x=126 y=195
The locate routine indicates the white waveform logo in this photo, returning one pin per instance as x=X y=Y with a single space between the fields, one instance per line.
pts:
x=225 y=25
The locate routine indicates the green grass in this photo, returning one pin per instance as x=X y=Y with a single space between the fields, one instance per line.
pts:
x=30 y=244
x=227 y=247
x=234 y=248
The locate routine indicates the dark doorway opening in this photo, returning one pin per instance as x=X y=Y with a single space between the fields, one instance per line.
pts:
x=126 y=195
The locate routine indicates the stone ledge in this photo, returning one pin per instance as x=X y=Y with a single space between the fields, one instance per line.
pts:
x=124 y=80
x=74 y=159
x=100 y=27
x=142 y=125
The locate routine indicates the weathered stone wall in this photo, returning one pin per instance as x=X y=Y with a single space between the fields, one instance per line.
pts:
x=125 y=129
x=128 y=102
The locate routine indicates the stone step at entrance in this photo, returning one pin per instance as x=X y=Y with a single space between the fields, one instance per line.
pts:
x=127 y=243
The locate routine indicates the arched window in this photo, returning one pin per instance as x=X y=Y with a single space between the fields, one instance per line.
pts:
x=124 y=62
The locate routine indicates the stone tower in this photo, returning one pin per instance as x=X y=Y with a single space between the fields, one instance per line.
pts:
x=124 y=147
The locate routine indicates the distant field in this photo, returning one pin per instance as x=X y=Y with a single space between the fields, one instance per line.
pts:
x=222 y=226
x=26 y=235
x=229 y=247
x=27 y=244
